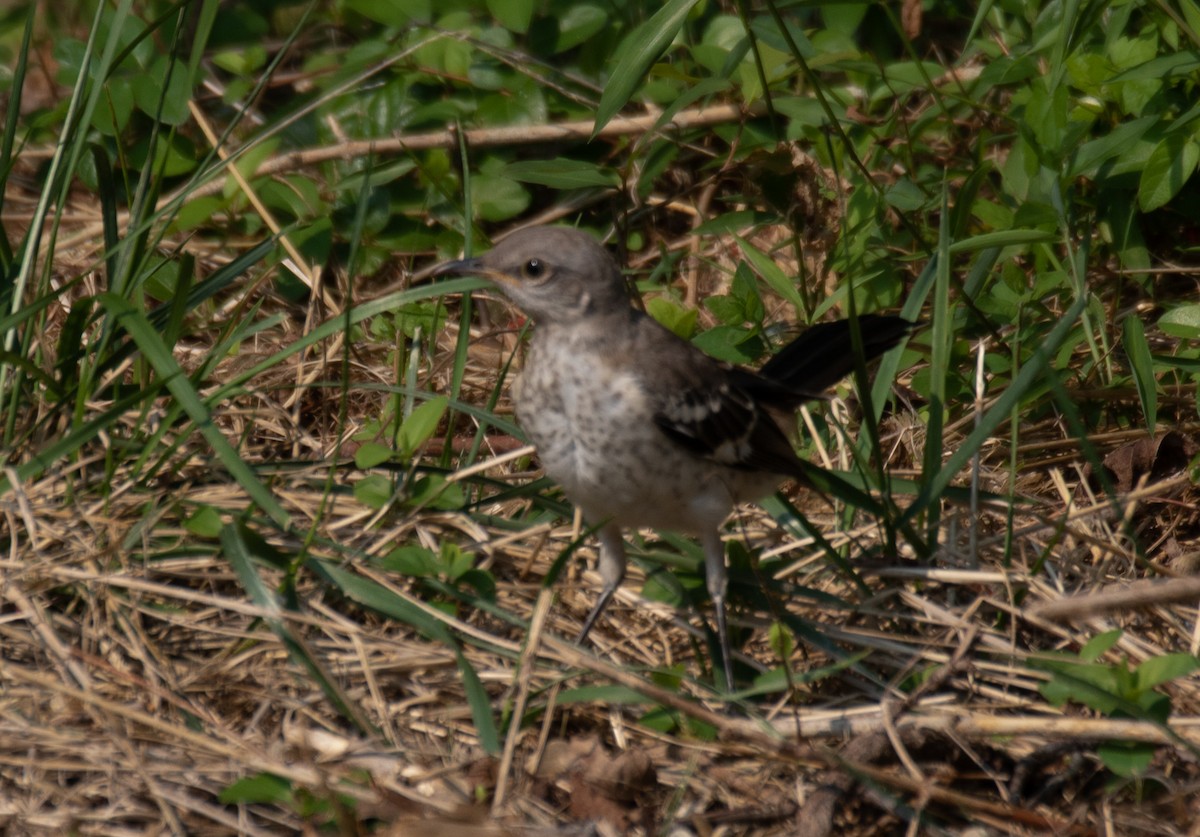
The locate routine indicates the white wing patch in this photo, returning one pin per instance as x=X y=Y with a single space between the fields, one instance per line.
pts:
x=717 y=423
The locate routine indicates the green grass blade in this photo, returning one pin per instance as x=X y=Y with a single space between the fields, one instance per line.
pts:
x=151 y=345
x=242 y=548
x=640 y=49
x=1138 y=351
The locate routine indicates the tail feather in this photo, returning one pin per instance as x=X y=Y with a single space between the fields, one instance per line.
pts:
x=824 y=353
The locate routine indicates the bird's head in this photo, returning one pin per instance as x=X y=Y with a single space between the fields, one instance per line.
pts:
x=553 y=274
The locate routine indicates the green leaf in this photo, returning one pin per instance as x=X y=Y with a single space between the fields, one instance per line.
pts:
x=513 y=15
x=1126 y=758
x=1099 y=645
x=116 y=106
x=436 y=492
x=614 y=695
x=1138 y=351
x=498 y=198
x=414 y=561
x=1088 y=157
x=726 y=309
x=421 y=424
x=660 y=719
x=149 y=96
x=196 y=212
x=771 y=273
x=1165 y=668
x=781 y=641
x=369 y=593
x=577 y=24
x=1090 y=684
x=482 y=582
x=204 y=522
x=732 y=344
x=173 y=155
x=678 y=319
x=906 y=196
x=1163 y=67
x=371 y=454
x=258 y=789
x=562 y=173
x=1182 y=321
x=1170 y=165
x=373 y=491
x=455 y=561
x=242 y=61
x=640 y=49
x=480 y=703
x=1003 y=238
x=393 y=12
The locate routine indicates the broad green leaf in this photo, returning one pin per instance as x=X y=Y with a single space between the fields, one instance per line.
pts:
x=372 y=594
x=436 y=492
x=411 y=560
x=204 y=521
x=1088 y=157
x=1161 y=68
x=173 y=155
x=906 y=196
x=498 y=198
x=373 y=491
x=421 y=424
x=454 y=560
x=1182 y=321
x=678 y=319
x=244 y=60
x=1165 y=668
x=1099 y=645
x=371 y=454
x=640 y=49
x=732 y=344
x=1126 y=758
x=116 y=106
x=196 y=212
x=660 y=719
x=1170 y=165
x=578 y=23
x=483 y=582
x=149 y=96
x=513 y=15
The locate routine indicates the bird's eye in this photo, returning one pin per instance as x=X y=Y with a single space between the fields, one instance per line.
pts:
x=533 y=269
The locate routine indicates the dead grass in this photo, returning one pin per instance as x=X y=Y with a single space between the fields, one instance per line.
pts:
x=138 y=681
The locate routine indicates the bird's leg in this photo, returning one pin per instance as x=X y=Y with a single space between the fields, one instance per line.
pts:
x=718 y=582
x=611 y=566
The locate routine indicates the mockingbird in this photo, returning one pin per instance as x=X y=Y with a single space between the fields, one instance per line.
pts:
x=640 y=427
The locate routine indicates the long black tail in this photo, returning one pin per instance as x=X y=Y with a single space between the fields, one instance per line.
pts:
x=824 y=354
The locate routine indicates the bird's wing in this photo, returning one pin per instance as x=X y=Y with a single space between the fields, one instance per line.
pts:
x=713 y=409
x=726 y=425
